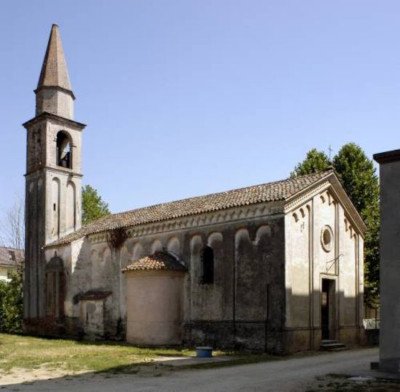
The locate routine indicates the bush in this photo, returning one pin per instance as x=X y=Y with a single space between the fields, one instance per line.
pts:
x=11 y=304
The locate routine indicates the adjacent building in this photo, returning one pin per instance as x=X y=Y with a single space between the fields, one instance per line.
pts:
x=10 y=260
x=389 y=338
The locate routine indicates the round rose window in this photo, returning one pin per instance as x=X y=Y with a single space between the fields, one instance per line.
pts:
x=327 y=238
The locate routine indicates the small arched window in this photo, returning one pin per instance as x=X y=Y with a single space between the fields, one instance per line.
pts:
x=64 y=150
x=207 y=260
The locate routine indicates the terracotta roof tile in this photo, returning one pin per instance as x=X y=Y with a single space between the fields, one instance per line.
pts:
x=273 y=191
x=91 y=295
x=159 y=261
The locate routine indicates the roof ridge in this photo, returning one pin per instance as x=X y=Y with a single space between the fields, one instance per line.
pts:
x=157 y=261
x=11 y=248
x=268 y=192
x=214 y=193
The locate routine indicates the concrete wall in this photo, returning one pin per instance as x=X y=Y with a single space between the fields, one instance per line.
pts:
x=154 y=307
x=389 y=340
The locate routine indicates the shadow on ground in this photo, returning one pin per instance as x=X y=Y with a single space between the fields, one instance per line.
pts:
x=162 y=366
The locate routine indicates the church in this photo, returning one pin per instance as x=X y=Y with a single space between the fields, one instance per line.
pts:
x=276 y=267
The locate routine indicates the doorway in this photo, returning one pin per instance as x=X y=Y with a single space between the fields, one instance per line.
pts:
x=328 y=309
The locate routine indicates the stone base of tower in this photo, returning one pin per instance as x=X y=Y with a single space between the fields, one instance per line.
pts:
x=72 y=328
x=48 y=326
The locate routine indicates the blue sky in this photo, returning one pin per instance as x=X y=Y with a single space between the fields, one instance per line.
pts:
x=187 y=97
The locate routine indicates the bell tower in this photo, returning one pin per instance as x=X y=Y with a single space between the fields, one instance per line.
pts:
x=53 y=172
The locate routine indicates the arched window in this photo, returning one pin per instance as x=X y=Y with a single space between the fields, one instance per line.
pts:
x=64 y=150
x=207 y=260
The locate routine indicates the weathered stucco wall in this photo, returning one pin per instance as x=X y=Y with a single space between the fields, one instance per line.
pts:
x=310 y=258
x=243 y=308
x=53 y=203
x=55 y=101
x=154 y=307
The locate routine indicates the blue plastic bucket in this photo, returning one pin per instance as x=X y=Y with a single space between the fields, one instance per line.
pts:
x=204 y=352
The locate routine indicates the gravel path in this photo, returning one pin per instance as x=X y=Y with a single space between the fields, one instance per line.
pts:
x=282 y=376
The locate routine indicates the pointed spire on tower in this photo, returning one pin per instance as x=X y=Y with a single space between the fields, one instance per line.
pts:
x=54 y=92
x=54 y=69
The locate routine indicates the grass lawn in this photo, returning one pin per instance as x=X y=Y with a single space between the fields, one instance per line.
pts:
x=25 y=352
x=70 y=356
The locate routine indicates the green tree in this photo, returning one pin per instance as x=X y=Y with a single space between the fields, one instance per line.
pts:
x=357 y=174
x=3 y=289
x=93 y=206
x=315 y=161
x=358 y=177
x=11 y=303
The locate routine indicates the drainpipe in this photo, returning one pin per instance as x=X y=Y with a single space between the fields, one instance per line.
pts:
x=267 y=319
x=234 y=297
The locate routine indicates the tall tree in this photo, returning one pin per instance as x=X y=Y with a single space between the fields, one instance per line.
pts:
x=314 y=162
x=360 y=181
x=358 y=177
x=93 y=206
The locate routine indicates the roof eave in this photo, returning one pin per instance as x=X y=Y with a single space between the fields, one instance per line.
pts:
x=387 y=157
x=349 y=207
x=58 y=88
x=61 y=242
x=52 y=116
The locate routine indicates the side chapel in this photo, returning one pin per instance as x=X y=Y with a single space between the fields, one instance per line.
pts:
x=276 y=267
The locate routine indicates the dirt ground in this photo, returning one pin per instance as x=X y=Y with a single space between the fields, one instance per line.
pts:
x=295 y=374
x=342 y=383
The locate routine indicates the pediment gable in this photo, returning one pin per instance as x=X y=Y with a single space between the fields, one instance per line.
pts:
x=330 y=190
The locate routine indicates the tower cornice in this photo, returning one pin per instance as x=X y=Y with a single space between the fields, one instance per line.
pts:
x=58 y=169
x=55 y=118
x=57 y=88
